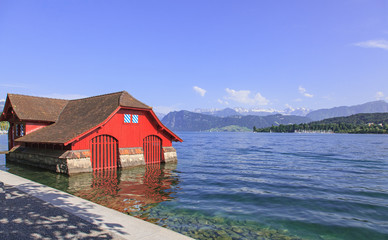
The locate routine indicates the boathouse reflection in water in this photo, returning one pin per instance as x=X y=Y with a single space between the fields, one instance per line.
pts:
x=130 y=190
x=127 y=190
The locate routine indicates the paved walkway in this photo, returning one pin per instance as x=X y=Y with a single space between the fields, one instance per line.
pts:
x=29 y=210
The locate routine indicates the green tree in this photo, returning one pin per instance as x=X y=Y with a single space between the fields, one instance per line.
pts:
x=4 y=125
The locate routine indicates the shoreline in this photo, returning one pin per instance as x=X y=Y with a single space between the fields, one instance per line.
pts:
x=118 y=224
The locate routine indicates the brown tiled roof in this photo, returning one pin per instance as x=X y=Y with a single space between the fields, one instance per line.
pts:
x=82 y=115
x=126 y=100
x=36 y=108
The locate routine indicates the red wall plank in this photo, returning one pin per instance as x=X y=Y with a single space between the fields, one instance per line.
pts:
x=31 y=127
x=128 y=134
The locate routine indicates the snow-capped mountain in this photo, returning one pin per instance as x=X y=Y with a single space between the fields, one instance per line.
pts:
x=253 y=111
x=296 y=111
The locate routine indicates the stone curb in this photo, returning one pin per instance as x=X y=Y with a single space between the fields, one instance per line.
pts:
x=119 y=224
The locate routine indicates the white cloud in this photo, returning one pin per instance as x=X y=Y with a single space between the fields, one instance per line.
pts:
x=383 y=44
x=222 y=101
x=379 y=95
x=302 y=91
x=200 y=91
x=2 y=100
x=289 y=107
x=243 y=96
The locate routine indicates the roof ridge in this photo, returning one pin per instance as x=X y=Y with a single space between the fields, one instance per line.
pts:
x=102 y=95
x=59 y=115
x=27 y=107
x=132 y=98
x=24 y=95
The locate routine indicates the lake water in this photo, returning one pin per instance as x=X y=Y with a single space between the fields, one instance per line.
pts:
x=250 y=186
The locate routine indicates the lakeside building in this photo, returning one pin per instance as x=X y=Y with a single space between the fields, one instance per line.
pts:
x=71 y=136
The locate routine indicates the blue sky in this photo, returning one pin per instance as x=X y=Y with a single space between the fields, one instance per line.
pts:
x=191 y=54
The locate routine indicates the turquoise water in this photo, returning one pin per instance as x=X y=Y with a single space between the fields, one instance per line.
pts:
x=250 y=186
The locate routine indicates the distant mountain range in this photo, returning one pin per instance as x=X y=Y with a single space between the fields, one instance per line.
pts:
x=370 y=107
x=206 y=120
x=242 y=118
x=314 y=115
x=253 y=111
x=190 y=121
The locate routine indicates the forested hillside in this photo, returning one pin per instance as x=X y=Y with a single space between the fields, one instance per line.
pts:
x=190 y=121
x=358 y=123
x=344 y=111
x=359 y=119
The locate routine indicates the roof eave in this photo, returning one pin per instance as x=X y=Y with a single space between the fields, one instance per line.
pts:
x=42 y=142
x=175 y=137
x=7 y=105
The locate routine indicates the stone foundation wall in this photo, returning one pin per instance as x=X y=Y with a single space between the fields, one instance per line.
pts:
x=47 y=159
x=60 y=161
x=130 y=157
x=78 y=161
x=170 y=154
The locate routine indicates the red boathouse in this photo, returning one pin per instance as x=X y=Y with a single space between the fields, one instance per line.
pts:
x=82 y=135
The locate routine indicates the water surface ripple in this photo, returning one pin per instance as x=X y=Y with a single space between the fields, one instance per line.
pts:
x=266 y=186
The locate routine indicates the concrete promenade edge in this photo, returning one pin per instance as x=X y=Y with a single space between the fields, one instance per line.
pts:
x=117 y=223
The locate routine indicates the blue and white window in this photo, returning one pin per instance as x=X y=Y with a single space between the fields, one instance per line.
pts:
x=127 y=118
x=135 y=118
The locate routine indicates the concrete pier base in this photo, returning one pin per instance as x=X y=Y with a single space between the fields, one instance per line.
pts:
x=130 y=157
x=170 y=154
x=78 y=161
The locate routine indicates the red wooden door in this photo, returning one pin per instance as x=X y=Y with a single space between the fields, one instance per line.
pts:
x=104 y=152
x=152 y=147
